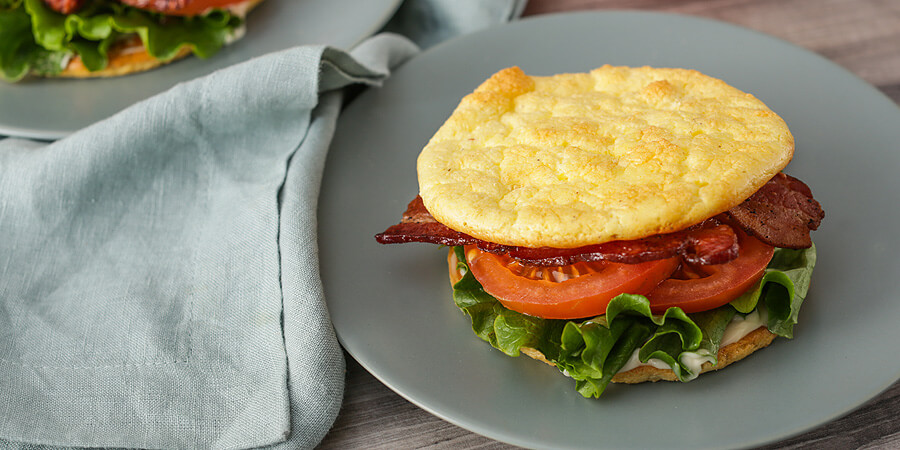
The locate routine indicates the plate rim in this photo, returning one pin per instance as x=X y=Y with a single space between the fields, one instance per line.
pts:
x=52 y=133
x=476 y=427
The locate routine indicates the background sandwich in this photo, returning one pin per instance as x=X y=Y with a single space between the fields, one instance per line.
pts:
x=102 y=38
x=627 y=224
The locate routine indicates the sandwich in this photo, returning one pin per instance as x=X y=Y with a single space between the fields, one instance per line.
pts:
x=625 y=225
x=106 y=38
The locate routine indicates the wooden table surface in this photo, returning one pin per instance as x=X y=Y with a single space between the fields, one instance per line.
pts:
x=860 y=35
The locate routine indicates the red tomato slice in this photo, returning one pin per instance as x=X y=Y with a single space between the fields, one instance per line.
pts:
x=196 y=7
x=563 y=292
x=701 y=288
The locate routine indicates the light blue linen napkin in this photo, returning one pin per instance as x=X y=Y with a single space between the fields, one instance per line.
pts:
x=428 y=22
x=159 y=282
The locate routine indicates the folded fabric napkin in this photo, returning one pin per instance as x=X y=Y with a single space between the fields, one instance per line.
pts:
x=159 y=282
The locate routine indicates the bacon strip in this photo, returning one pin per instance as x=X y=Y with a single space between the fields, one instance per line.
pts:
x=710 y=242
x=781 y=214
x=418 y=225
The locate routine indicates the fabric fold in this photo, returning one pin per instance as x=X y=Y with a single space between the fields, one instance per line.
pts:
x=429 y=22
x=149 y=263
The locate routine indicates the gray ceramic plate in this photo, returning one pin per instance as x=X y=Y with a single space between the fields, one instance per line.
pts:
x=392 y=306
x=51 y=109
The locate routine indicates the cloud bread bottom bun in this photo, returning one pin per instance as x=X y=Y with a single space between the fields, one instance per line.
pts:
x=129 y=55
x=736 y=351
x=756 y=339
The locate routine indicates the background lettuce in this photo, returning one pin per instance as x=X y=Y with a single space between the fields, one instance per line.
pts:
x=18 y=51
x=592 y=351
x=34 y=38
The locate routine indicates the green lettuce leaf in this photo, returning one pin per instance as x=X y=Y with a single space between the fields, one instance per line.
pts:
x=35 y=38
x=506 y=330
x=783 y=288
x=705 y=329
x=592 y=351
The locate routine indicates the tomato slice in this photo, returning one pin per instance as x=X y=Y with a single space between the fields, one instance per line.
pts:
x=563 y=292
x=195 y=7
x=585 y=288
x=701 y=288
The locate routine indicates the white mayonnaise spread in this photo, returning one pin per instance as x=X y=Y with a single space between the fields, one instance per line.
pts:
x=64 y=62
x=694 y=362
x=236 y=34
x=634 y=362
x=739 y=327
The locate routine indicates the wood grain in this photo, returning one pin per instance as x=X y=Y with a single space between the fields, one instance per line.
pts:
x=862 y=36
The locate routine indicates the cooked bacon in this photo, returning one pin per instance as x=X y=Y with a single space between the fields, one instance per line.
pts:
x=710 y=242
x=781 y=213
x=65 y=6
x=418 y=225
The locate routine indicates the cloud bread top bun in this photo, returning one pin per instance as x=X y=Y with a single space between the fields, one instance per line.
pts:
x=584 y=158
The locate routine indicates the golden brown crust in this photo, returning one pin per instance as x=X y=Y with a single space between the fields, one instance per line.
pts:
x=130 y=56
